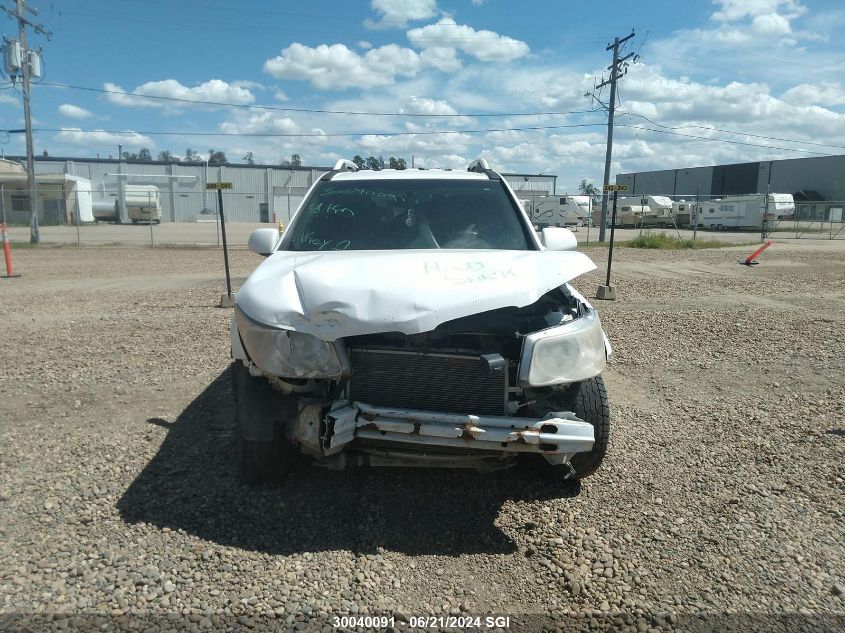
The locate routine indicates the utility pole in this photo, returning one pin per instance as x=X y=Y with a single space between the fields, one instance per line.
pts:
x=26 y=75
x=614 y=69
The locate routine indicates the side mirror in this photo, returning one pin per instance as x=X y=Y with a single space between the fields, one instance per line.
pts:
x=262 y=241
x=558 y=239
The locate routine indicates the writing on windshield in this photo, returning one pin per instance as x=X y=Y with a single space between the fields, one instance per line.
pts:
x=405 y=214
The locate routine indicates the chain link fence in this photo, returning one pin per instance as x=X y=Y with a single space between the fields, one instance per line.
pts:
x=71 y=214
x=104 y=216
x=775 y=215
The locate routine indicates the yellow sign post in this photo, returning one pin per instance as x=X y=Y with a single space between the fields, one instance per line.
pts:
x=227 y=300
x=608 y=291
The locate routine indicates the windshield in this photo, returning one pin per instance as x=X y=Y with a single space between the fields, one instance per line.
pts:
x=402 y=214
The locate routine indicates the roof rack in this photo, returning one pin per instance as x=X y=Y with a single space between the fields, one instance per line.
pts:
x=344 y=165
x=481 y=166
x=341 y=165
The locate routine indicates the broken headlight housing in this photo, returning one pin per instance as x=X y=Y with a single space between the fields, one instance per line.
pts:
x=290 y=354
x=564 y=354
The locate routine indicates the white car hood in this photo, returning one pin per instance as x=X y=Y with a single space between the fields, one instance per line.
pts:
x=348 y=293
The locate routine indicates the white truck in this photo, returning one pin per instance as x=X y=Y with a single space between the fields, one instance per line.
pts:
x=559 y=211
x=743 y=212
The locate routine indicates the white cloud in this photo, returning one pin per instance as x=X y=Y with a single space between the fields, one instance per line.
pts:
x=736 y=10
x=337 y=67
x=75 y=136
x=280 y=95
x=424 y=105
x=483 y=45
x=771 y=24
x=213 y=90
x=9 y=100
x=397 y=13
x=431 y=143
x=825 y=94
x=249 y=85
x=433 y=109
x=364 y=44
x=74 y=112
x=444 y=58
x=261 y=123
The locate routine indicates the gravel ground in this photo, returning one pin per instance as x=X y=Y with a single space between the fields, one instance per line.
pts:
x=720 y=505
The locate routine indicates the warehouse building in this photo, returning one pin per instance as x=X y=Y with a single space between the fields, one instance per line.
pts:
x=811 y=181
x=823 y=174
x=260 y=193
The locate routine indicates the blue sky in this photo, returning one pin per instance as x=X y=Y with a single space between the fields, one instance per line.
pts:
x=758 y=72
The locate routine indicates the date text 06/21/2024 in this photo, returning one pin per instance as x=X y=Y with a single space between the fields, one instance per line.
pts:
x=425 y=621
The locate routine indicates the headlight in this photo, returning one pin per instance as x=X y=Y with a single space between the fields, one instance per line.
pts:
x=564 y=354
x=289 y=354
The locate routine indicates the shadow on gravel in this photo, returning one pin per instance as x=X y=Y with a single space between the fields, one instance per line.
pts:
x=192 y=484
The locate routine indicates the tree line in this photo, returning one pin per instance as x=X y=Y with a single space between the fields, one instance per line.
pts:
x=215 y=157
x=375 y=164
x=218 y=157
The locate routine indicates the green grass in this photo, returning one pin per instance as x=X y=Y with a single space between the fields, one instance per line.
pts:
x=663 y=241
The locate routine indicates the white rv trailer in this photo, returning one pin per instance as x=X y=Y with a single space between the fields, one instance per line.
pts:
x=744 y=211
x=645 y=210
x=562 y=210
x=143 y=204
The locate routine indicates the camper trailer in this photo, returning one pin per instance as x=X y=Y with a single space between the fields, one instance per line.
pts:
x=143 y=204
x=646 y=211
x=559 y=210
x=744 y=212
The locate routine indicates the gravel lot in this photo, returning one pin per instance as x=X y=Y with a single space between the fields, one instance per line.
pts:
x=720 y=506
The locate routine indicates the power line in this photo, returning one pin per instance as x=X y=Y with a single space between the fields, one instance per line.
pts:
x=130 y=133
x=722 y=140
x=314 y=134
x=247 y=106
x=427 y=115
x=716 y=129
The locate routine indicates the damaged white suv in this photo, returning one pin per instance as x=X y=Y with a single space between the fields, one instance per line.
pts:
x=414 y=317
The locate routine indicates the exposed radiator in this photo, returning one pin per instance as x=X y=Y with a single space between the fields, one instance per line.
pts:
x=430 y=382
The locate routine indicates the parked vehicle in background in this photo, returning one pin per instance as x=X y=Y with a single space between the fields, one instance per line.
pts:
x=560 y=211
x=744 y=211
x=143 y=204
x=415 y=318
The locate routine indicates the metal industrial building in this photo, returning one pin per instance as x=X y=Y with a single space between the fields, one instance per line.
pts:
x=823 y=174
x=261 y=193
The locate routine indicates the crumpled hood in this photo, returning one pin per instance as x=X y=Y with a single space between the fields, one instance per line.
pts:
x=348 y=293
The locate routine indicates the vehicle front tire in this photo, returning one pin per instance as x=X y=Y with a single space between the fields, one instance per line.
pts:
x=588 y=400
x=265 y=455
x=590 y=403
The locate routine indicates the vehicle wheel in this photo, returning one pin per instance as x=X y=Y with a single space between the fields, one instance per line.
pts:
x=590 y=403
x=588 y=400
x=260 y=408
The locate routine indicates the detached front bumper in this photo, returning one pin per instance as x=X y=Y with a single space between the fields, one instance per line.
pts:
x=557 y=437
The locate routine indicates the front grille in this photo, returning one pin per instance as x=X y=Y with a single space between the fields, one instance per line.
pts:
x=429 y=382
